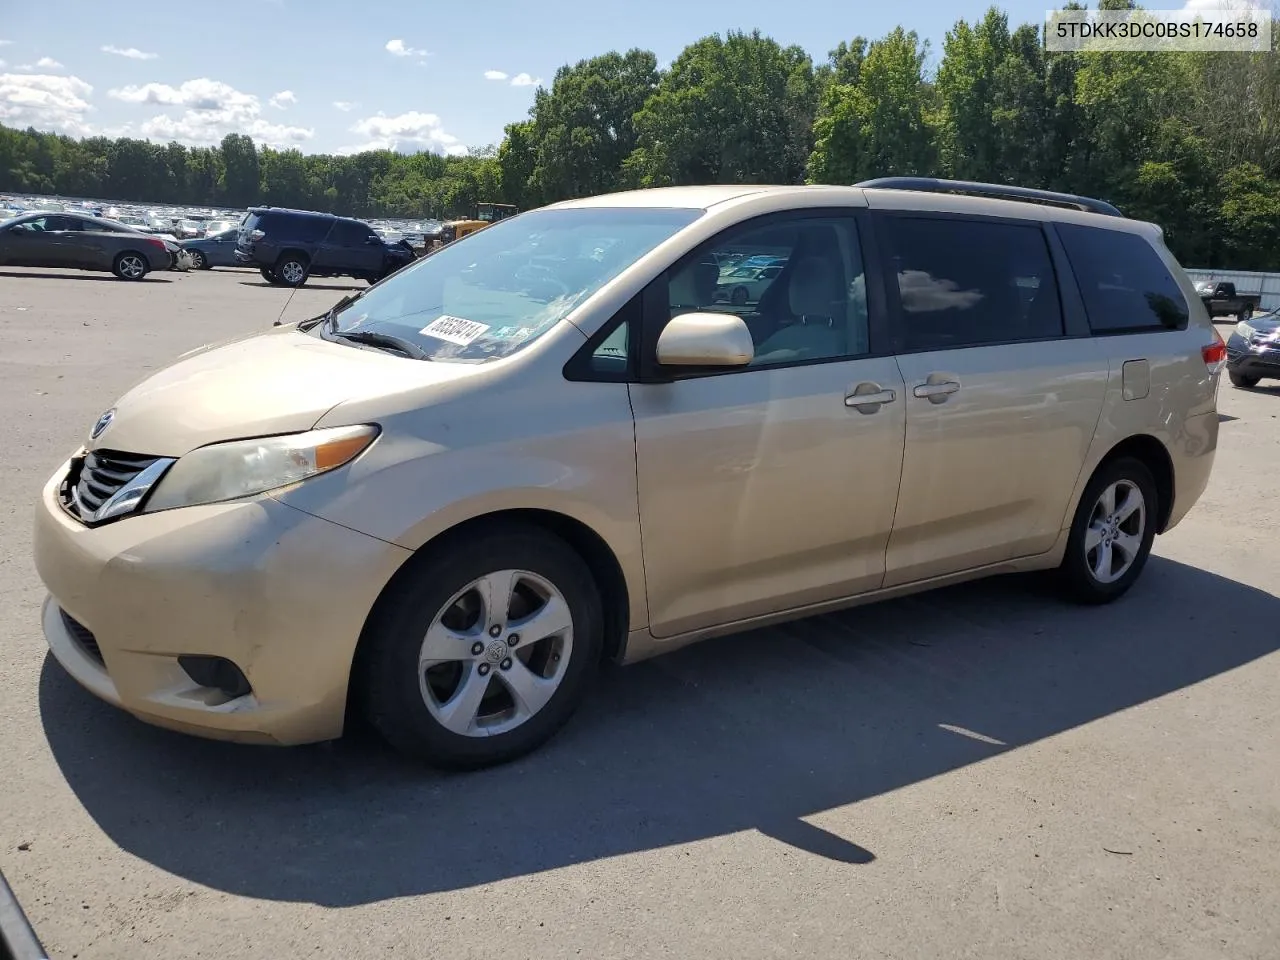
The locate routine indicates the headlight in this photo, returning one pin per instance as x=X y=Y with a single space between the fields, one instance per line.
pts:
x=241 y=468
x=1245 y=330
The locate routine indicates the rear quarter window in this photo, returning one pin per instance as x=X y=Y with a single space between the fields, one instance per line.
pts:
x=1125 y=285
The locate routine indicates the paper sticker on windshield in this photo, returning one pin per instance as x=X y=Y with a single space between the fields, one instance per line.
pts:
x=454 y=329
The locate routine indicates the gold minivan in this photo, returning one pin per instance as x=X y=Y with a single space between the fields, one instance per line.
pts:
x=565 y=439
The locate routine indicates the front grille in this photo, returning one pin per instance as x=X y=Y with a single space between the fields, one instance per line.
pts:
x=97 y=476
x=82 y=635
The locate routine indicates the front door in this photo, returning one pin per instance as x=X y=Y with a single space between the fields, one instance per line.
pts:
x=1001 y=403
x=770 y=486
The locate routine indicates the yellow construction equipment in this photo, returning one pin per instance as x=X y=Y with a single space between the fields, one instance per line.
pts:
x=486 y=213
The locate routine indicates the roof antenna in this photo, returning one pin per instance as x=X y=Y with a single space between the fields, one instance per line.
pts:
x=279 y=321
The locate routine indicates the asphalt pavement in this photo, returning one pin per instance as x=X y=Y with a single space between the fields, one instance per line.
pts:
x=982 y=772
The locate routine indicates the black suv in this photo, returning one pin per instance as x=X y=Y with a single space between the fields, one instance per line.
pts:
x=290 y=245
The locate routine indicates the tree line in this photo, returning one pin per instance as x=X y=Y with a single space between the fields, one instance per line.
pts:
x=1188 y=140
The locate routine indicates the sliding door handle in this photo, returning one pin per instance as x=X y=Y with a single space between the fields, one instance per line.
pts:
x=935 y=392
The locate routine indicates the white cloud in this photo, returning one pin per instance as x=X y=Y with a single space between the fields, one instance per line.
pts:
x=133 y=53
x=45 y=102
x=5 y=43
x=405 y=133
x=281 y=99
x=524 y=80
x=48 y=63
x=397 y=48
x=346 y=106
x=494 y=75
x=212 y=109
x=1 y=63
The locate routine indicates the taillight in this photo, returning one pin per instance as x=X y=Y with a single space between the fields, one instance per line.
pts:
x=1214 y=354
x=155 y=242
x=256 y=234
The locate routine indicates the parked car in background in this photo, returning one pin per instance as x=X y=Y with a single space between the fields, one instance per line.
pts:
x=216 y=250
x=288 y=246
x=1221 y=300
x=746 y=284
x=427 y=505
x=82 y=243
x=188 y=229
x=1253 y=350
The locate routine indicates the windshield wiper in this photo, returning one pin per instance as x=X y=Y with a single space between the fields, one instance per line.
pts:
x=384 y=340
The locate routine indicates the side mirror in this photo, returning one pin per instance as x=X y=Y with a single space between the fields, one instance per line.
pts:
x=705 y=340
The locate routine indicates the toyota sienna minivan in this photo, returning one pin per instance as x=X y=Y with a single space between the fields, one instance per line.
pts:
x=562 y=440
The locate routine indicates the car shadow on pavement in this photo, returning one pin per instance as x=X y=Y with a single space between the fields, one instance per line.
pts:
x=82 y=276
x=354 y=285
x=749 y=732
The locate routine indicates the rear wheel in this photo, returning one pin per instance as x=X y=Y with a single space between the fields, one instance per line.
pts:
x=130 y=266
x=1112 y=532
x=292 y=270
x=1240 y=380
x=481 y=652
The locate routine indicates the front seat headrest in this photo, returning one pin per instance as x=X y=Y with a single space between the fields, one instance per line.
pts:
x=814 y=288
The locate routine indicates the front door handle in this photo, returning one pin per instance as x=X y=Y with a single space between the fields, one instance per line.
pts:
x=869 y=397
x=936 y=392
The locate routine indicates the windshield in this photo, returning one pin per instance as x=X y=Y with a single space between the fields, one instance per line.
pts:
x=490 y=294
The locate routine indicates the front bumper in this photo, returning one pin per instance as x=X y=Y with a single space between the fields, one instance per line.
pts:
x=1253 y=358
x=278 y=592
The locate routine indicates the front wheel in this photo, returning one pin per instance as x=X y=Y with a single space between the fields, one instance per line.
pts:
x=130 y=266
x=479 y=653
x=268 y=275
x=1112 y=532
x=198 y=260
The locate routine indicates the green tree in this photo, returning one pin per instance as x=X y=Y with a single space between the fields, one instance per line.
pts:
x=241 y=170
x=737 y=109
x=875 y=126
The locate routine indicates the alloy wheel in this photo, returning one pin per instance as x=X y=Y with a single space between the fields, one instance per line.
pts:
x=496 y=653
x=1113 y=539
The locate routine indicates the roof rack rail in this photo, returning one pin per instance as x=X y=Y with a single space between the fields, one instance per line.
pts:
x=1001 y=191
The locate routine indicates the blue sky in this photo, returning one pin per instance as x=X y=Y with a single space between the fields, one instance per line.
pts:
x=333 y=75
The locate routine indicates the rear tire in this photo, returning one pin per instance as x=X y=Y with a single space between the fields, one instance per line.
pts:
x=291 y=270
x=467 y=709
x=130 y=265
x=1241 y=381
x=1112 y=532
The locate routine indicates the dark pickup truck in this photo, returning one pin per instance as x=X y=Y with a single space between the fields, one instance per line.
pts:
x=1221 y=300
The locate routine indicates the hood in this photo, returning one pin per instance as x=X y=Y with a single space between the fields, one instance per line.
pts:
x=282 y=381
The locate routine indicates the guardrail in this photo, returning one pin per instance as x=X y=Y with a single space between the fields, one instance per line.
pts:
x=18 y=941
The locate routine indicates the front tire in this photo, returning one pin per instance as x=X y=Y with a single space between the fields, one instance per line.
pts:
x=1112 y=532
x=130 y=266
x=268 y=275
x=479 y=653
x=1241 y=381
x=198 y=260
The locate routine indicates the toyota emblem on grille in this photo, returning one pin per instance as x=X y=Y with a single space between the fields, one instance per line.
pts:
x=104 y=421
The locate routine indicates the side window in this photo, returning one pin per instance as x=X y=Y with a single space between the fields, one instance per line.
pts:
x=797 y=284
x=964 y=283
x=1124 y=283
x=348 y=233
x=611 y=355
